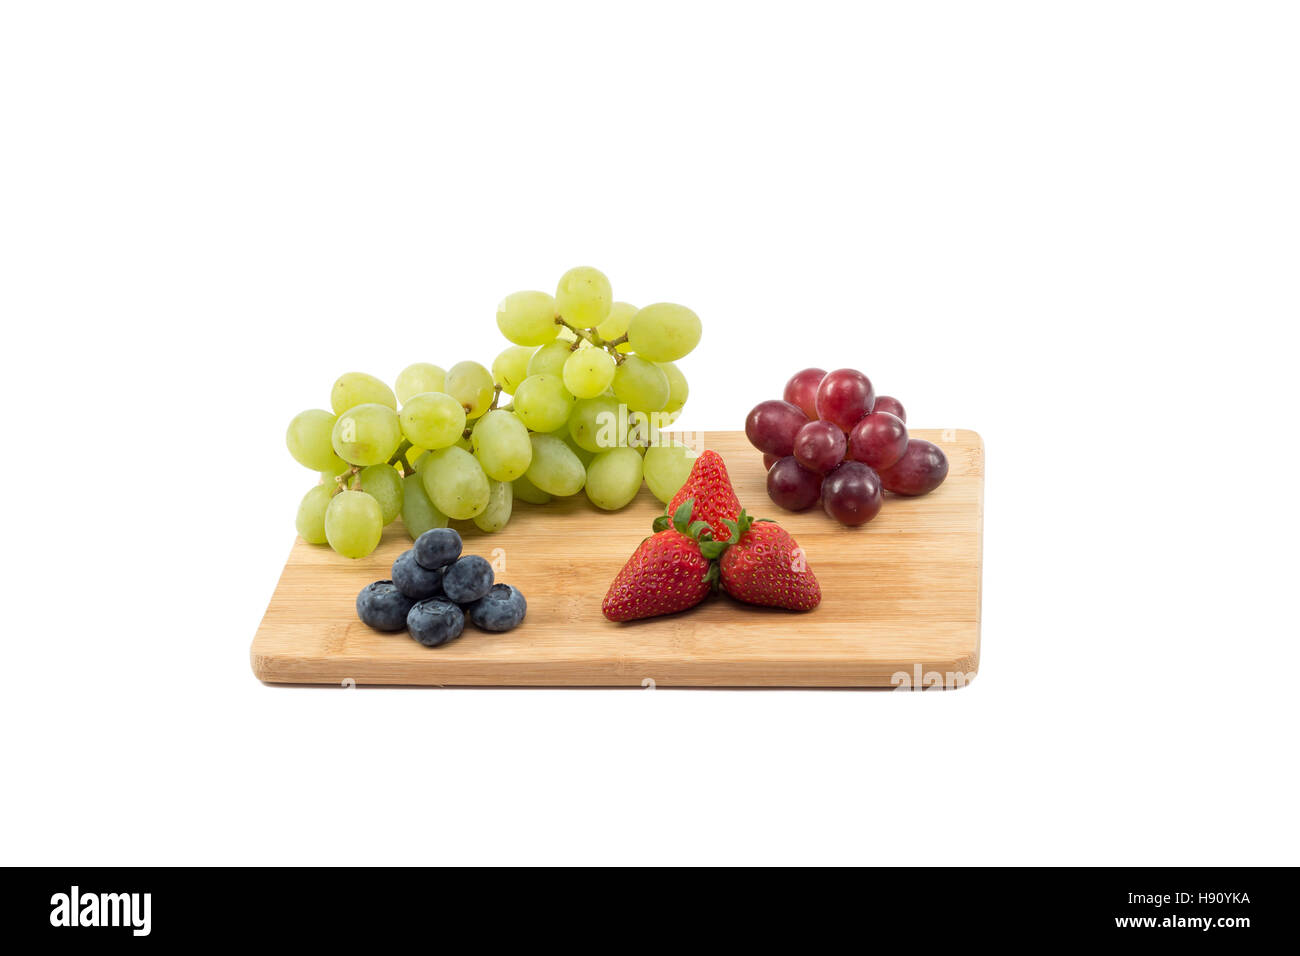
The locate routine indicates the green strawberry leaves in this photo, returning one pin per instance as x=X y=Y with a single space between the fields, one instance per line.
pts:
x=712 y=549
x=738 y=527
x=741 y=525
x=680 y=520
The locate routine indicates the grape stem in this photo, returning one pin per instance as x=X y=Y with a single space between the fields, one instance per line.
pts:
x=346 y=478
x=594 y=337
x=399 y=458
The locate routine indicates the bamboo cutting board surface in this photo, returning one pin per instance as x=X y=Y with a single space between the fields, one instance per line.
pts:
x=900 y=596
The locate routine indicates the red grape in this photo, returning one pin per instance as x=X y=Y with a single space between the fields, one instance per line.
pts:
x=769 y=461
x=792 y=486
x=892 y=405
x=771 y=426
x=851 y=493
x=819 y=446
x=844 y=396
x=922 y=469
x=801 y=390
x=878 y=440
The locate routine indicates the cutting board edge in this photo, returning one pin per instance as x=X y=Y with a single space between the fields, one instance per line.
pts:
x=272 y=668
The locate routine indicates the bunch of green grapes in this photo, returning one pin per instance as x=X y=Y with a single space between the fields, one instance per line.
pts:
x=578 y=402
x=362 y=453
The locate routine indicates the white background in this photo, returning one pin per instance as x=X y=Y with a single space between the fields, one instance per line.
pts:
x=1071 y=227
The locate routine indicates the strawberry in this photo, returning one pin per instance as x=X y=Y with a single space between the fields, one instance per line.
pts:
x=715 y=499
x=762 y=564
x=666 y=574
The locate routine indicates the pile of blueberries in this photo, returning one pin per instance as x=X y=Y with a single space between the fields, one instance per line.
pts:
x=434 y=588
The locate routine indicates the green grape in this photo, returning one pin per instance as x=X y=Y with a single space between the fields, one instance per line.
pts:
x=588 y=372
x=543 y=403
x=549 y=360
x=460 y=442
x=614 y=478
x=308 y=438
x=432 y=420
x=354 y=524
x=567 y=335
x=423 y=462
x=525 y=490
x=419 y=378
x=311 y=513
x=413 y=455
x=584 y=456
x=667 y=468
x=384 y=484
x=641 y=430
x=615 y=324
x=471 y=385
x=528 y=318
x=501 y=499
x=664 y=332
x=640 y=385
x=418 y=512
x=555 y=470
x=595 y=424
x=583 y=297
x=501 y=445
x=455 y=482
x=357 y=388
x=678 y=389
x=367 y=434
x=511 y=367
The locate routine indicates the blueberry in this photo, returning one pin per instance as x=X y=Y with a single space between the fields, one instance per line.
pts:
x=415 y=580
x=437 y=548
x=468 y=579
x=501 y=609
x=434 y=622
x=383 y=606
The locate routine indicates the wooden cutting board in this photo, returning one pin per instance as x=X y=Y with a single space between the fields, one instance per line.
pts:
x=900 y=600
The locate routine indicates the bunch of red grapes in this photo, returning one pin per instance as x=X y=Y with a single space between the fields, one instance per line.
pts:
x=832 y=439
